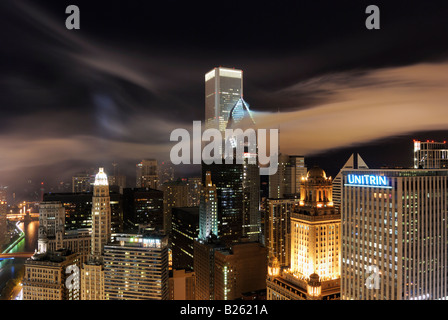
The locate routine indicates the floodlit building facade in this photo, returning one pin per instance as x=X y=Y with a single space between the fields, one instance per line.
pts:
x=394 y=234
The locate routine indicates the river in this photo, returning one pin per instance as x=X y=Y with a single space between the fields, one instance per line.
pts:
x=10 y=268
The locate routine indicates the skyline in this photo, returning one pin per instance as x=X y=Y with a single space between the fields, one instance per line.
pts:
x=73 y=100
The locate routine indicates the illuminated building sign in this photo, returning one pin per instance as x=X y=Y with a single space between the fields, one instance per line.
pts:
x=367 y=180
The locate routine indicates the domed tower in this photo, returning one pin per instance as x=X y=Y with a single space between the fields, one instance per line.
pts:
x=314 y=288
x=317 y=189
x=101 y=214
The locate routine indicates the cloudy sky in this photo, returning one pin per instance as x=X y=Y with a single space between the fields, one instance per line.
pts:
x=115 y=89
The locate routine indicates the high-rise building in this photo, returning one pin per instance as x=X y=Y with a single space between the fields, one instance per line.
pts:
x=185 y=229
x=51 y=217
x=223 y=89
x=285 y=183
x=208 y=209
x=352 y=163
x=278 y=229
x=101 y=214
x=143 y=208
x=394 y=234
x=314 y=272
x=46 y=276
x=204 y=266
x=182 y=285
x=175 y=194
x=82 y=182
x=238 y=195
x=430 y=155
x=92 y=274
x=147 y=175
x=241 y=268
x=136 y=268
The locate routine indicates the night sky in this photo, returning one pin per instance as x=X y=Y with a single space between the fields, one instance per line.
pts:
x=114 y=90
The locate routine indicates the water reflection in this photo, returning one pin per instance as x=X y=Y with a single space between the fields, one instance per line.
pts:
x=10 y=268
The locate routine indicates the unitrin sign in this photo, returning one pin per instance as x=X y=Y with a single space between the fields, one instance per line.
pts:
x=367 y=180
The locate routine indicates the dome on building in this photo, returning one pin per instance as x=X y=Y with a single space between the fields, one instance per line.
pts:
x=101 y=178
x=316 y=172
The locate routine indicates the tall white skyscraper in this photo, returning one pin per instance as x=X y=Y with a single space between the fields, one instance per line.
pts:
x=101 y=214
x=394 y=234
x=223 y=89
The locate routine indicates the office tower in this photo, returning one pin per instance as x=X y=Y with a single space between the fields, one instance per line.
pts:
x=185 y=228
x=51 y=217
x=92 y=280
x=175 y=194
x=182 y=285
x=223 y=89
x=285 y=183
x=337 y=182
x=101 y=214
x=430 y=155
x=136 y=267
x=147 y=176
x=208 y=209
x=240 y=269
x=143 y=208
x=82 y=182
x=394 y=234
x=278 y=229
x=315 y=256
x=46 y=278
x=204 y=266
x=237 y=187
x=78 y=209
x=3 y=222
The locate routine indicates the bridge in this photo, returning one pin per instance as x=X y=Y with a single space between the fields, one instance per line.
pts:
x=15 y=255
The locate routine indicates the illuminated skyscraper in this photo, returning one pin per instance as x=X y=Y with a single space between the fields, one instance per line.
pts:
x=430 y=155
x=223 y=89
x=136 y=268
x=238 y=195
x=314 y=272
x=278 y=229
x=208 y=209
x=92 y=274
x=101 y=215
x=394 y=234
